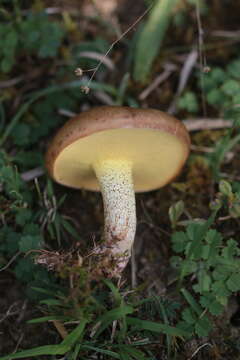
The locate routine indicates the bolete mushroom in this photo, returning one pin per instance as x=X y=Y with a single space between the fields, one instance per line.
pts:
x=119 y=151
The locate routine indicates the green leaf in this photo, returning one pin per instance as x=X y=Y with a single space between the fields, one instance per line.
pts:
x=220 y=272
x=188 y=101
x=218 y=76
x=72 y=338
x=203 y=326
x=23 y=215
x=155 y=327
x=9 y=240
x=41 y=350
x=189 y=316
x=133 y=352
x=214 y=240
x=225 y=188
x=115 y=291
x=70 y=229
x=60 y=349
x=151 y=37
x=192 y=302
x=231 y=87
x=209 y=301
x=215 y=97
x=30 y=242
x=101 y=351
x=180 y=241
x=175 y=212
x=233 y=283
x=233 y=69
x=21 y=134
x=47 y=318
x=204 y=281
x=115 y=314
x=230 y=250
x=220 y=289
x=24 y=269
x=205 y=251
x=51 y=302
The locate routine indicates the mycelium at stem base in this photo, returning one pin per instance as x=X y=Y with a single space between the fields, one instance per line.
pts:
x=116 y=183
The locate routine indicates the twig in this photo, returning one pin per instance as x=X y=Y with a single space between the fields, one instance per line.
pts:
x=11 y=82
x=228 y=156
x=60 y=328
x=66 y=112
x=169 y=68
x=10 y=261
x=203 y=149
x=226 y=34
x=224 y=218
x=22 y=311
x=103 y=97
x=199 y=348
x=114 y=328
x=115 y=42
x=100 y=57
x=32 y=174
x=10 y=311
x=18 y=343
x=206 y=124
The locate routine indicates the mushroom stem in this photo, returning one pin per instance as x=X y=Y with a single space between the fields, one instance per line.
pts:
x=115 y=178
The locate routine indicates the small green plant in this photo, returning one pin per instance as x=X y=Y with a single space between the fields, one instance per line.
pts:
x=212 y=261
x=34 y=35
x=26 y=223
x=220 y=89
x=108 y=323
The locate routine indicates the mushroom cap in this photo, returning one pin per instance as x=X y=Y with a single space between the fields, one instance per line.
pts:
x=156 y=144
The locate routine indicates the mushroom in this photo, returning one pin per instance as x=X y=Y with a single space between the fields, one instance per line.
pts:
x=119 y=151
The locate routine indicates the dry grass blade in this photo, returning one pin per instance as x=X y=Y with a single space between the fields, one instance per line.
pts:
x=183 y=79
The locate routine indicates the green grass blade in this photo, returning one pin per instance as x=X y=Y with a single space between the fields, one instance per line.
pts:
x=48 y=292
x=42 y=350
x=72 y=338
x=70 y=229
x=60 y=349
x=47 y=318
x=156 y=327
x=151 y=37
x=133 y=352
x=101 y=351
x=110 y=316
x=191 y=301
x=114 y=290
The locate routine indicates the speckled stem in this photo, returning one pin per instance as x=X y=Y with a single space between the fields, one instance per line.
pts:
x=115 y=178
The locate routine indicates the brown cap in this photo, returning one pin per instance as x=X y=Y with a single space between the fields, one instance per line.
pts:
x=156 y=144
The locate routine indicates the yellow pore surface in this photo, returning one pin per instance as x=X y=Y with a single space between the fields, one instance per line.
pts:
x=156 y=157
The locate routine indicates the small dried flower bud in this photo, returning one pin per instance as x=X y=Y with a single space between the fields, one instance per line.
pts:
x=206 y=69
x=78 y=72
x=85 y=89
